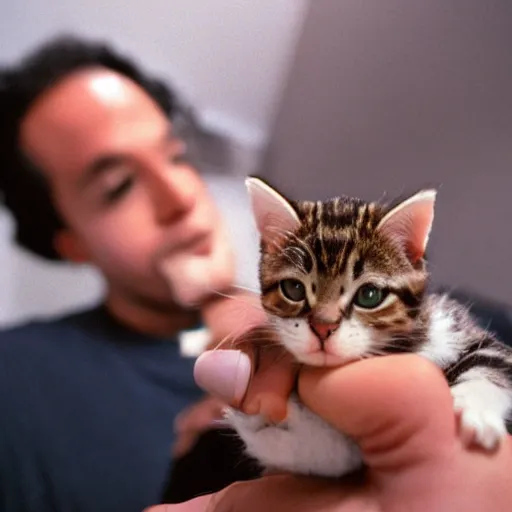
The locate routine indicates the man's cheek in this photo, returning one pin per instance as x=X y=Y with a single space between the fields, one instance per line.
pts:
x=116 y=252
x=189 y=278
x=192 y=278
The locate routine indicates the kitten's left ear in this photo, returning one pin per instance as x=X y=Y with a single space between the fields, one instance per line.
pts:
x=274 y=215
x=410 y=222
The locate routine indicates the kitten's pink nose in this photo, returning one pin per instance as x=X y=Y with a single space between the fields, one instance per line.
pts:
x=323 y=330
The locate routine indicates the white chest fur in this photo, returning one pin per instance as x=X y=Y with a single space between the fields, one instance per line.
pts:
x=305 y=444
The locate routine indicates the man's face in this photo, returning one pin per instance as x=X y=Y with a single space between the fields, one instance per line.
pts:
x=132 y=205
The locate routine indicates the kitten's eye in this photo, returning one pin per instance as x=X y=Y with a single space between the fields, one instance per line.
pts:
x=293 y=290
x=369 y=296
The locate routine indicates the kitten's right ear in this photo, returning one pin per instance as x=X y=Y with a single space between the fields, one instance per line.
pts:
x=274 y=215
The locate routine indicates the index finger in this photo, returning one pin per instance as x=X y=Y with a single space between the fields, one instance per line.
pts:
x=398 y=408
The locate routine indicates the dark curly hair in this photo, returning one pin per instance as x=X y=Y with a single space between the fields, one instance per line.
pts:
x=25 y=192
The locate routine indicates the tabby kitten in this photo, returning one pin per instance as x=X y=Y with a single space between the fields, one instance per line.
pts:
x=343 y=280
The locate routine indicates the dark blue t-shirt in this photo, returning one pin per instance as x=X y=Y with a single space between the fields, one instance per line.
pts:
x=87 y=409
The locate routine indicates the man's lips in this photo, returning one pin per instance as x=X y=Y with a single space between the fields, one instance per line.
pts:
x=197 y=245
x=202 y=246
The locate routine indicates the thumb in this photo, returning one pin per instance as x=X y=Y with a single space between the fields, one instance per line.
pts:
x=397 y=408
x=256 y=375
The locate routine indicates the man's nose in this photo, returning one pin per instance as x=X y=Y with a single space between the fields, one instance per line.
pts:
x=173 y=196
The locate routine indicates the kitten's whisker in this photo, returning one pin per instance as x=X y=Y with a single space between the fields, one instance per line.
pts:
x=295 y=261
x=238 y=299
x=283 y=252
x=247 y=289
x=256 y=332
x=235 y=342
x=290 y=258
x=374 y=352
x=297 y=252
x=289 y=234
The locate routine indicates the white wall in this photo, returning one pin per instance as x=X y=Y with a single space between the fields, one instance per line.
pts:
x=229 y=58
x=405 y=94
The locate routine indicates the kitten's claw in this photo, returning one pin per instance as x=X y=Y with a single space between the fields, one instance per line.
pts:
x=483 y=428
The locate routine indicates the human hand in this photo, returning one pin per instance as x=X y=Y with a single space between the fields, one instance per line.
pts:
x=239 y=322
x=400 y=411
x=194 y=421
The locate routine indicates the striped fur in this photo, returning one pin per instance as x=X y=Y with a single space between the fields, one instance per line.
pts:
x=335 y=249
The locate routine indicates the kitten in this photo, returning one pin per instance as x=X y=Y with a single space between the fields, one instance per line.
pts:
x=344 y=280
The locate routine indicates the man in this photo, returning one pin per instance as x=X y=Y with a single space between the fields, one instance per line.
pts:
x=93 y=171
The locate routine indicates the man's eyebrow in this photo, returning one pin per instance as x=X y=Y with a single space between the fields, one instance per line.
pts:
x=104 y=163
x=99 y=166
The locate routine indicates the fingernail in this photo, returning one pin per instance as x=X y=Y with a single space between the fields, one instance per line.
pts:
x=224 y=374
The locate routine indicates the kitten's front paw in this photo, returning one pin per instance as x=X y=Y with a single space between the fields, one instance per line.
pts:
x=478 y=426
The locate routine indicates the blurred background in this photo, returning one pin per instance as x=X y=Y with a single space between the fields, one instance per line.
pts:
x=322 y=97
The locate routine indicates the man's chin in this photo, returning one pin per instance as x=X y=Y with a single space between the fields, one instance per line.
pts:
x=193 y=279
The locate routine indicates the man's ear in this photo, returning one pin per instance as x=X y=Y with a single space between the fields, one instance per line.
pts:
x=70 y=247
